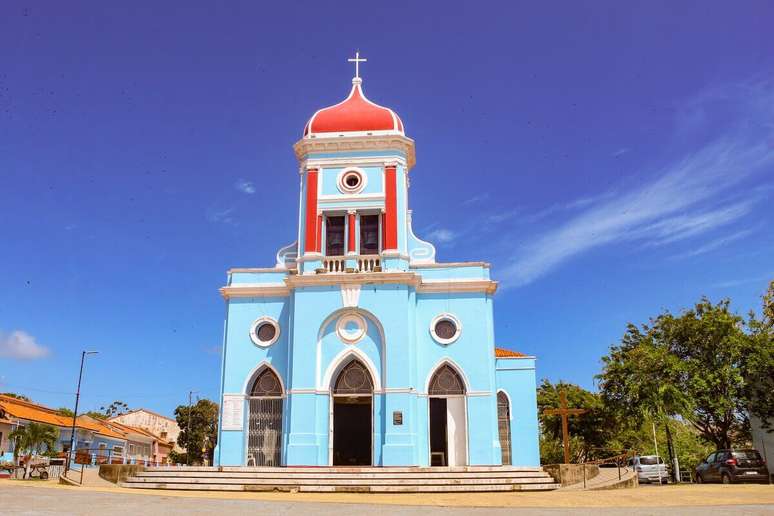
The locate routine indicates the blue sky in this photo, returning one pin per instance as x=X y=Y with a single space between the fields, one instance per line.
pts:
x=610 y=159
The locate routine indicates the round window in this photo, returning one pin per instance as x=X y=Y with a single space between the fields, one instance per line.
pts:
x=352 y=180
x=351 y=328
x=445 y=328
x=264 y=332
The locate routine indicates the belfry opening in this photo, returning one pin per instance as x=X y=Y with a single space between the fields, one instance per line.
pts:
x=352 y=400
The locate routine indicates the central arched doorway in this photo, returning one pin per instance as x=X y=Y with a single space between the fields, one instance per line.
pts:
x=264 y=437
x=448 y=418
x=352 y=401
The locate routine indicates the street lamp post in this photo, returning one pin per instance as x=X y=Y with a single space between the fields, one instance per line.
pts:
x=75 y=413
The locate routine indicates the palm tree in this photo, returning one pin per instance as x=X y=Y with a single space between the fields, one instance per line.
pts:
x=32 y=439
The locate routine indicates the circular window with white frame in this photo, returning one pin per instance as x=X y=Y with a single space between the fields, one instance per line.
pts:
x=264 y=332
x=352 y=180
x=445 y=329
x=351 y=327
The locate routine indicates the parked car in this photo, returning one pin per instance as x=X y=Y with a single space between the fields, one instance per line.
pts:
x=649 y=468
x=730 y=466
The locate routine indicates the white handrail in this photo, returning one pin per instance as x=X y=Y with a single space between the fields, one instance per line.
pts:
x=362 y=263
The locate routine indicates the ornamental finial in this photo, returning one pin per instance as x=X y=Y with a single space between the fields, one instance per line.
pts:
x=357 y=62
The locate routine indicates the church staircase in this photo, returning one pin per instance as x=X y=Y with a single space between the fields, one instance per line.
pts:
x=345 y=479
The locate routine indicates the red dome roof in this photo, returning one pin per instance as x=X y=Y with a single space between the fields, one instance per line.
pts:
x=355 y=114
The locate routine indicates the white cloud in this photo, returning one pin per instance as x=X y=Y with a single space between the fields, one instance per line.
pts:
x=717 y=243
x=224 y=215
x=245 y=186
x=442 y=235
x=683 y=200
x=620 y=152
x=21 y=345
x=476 y=199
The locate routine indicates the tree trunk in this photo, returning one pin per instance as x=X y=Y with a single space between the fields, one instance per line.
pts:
x=670 y=449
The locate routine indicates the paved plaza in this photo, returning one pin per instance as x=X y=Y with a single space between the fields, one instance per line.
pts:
x=26 y=498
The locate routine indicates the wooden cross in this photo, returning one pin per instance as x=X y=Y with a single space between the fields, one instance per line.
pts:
x=565 y=413
x=357 y=62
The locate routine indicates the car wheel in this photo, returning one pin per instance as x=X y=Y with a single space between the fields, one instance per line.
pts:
x=726 y=478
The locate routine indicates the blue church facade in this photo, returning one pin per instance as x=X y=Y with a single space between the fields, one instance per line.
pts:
x=357 y=347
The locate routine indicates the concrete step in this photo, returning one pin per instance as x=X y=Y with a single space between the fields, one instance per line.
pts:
x=347 y=479
x=336 y=481
x=318 y=475
x=352 y=489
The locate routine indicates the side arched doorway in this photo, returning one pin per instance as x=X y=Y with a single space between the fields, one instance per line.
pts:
x=448 y=418
x=264 y=437
x=352 y=400
x=504 y=426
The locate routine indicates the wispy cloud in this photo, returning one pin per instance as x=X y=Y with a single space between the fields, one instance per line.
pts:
x=244 y=186
x=504 y=215
x=763 y=280
x=476 y=199
x=21 y=345
x=717 y=243
x=620 y=152
x=442 y=236
x=684 y=199
x=223 y=215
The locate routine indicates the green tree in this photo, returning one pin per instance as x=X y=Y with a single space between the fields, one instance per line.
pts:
x=758 y=362
x=640 y=381
x=199 y=430
x=688 y=365
x=589 y=432
x=114 y=409
x=14 y=395
x=32 y=439
x=64 y=411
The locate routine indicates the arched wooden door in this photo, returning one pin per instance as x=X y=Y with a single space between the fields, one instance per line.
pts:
x=352 y=414
x=448 y=418
x=264 y=437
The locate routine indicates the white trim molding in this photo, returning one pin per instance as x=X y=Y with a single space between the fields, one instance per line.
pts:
x=342 y=359
x=350 y=335
x=255 y=290
x=260 y=322
x=253 y=374
x=306 y=146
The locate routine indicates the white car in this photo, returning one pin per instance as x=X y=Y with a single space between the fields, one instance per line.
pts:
x=649 y=468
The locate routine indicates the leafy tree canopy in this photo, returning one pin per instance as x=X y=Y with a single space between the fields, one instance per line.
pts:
x=17 y=396
x=706 y=365
x=114 y=409
x=589 y=432
x=198 y=432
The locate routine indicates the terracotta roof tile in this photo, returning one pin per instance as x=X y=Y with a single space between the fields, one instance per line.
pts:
x=21 y=409
x=507 y=353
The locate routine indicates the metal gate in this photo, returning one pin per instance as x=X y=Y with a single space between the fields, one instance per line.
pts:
x=504 y=426
x=264 y=438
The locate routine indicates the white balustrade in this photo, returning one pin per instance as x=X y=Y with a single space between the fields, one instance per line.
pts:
x=362 y=263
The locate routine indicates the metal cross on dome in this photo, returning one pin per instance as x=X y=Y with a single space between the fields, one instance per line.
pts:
x=357 y=62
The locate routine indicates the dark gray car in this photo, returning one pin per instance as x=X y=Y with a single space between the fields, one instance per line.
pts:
x=729 y=466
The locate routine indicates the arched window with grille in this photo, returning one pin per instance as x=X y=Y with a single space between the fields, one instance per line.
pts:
x=504 y=426
x=354 y=379
x=264 y=438
x=446 y=382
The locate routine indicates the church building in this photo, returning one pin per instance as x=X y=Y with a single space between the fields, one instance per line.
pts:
x=358 y=348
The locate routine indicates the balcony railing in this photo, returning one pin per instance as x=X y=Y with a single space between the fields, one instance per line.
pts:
x=362 y=263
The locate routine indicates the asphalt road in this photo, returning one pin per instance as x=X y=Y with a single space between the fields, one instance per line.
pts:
x=23 y=500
